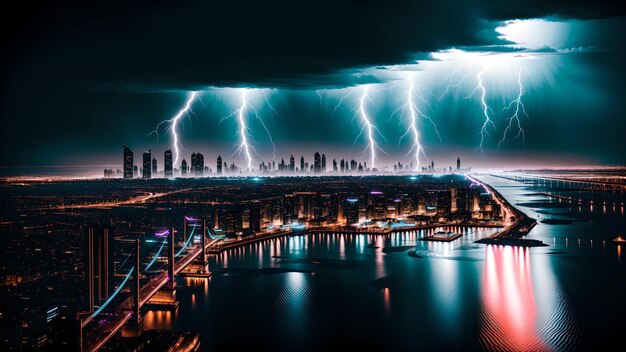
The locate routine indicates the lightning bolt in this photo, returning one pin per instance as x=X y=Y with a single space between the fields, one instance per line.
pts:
x=451 y=86
x=173 y=122
x=416 y=147
x=415 y=113
x=341 y=99
x=243 y=145
x=485 y=108
x=241 y=112
x=519 y=109
x=367 y=124
x=267 y=130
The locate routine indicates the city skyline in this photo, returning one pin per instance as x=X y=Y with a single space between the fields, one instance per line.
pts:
x=436 y=175
x=222 y=168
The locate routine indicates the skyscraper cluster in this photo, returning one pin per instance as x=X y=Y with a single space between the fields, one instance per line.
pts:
x=197 y=168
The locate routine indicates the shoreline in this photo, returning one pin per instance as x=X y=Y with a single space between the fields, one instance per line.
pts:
x=258 y=238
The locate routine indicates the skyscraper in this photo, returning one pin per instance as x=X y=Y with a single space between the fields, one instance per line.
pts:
x=317 y=163
x=99 y=265
x=183 y=168
x=458 y=163
x=219 y=164
x=197 y=164
x=147 y=163
x=302 y=164
x=168 y=170
x=292 y=164
x=154 y=167
x=323 y=163
x=128 y=163
x=334 y=165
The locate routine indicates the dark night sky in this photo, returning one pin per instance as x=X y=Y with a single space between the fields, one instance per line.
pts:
x=80 y=80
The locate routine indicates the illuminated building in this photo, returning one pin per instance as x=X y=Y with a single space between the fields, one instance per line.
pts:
x=317 y=163
x=168 y=168
x=351 y=210
x=197 y=164
x=147 y=164
x=128 y=163
x=98 y=267
x=219 y=164
x=376 y=205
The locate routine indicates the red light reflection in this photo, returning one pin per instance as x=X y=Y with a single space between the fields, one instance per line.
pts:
x=510 y=313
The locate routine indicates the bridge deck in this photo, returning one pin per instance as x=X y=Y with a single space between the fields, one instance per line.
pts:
x=111 y=323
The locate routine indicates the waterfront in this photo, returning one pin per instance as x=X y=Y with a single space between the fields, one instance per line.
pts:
x=363 y=291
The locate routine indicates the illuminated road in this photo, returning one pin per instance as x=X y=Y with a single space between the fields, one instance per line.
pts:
x=107 y=325
x=135 y=200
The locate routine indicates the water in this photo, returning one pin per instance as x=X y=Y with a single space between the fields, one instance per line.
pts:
x=397 y=292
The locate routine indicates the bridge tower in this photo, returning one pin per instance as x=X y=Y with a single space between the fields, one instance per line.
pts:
x=171 y=284
x=136 y=308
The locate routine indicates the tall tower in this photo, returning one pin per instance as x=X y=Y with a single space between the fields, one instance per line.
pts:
x=302 y=164
x=458 y=163
x=219 y=164
x=323 y=163
x=199 y=164
x=154 y=167
x=128 y=162
x=168 y=167
x=183 y=168
x=147 y=163
x=317 y=163
x=292 y=164
x=99 y=266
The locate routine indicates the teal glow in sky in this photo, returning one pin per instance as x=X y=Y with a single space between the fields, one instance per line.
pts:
x=491 y=89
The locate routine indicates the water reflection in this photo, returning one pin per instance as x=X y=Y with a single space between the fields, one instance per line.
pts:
x=509 y=318
x=294 y=304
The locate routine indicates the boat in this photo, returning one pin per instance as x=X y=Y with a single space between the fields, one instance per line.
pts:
x=619 y=240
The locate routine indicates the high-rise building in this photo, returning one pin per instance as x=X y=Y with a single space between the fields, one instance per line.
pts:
x=458 y=163
x=128 y=163
x=168 y=167
x=317 y=163
x=183 y=168
x=197 y=164
x=135 y=171
x=292 y=163
x=334 y=165
x=147 y=163
x=154 y=167
x=353 y=165
x=323 y=163
x=351 y=209
x=219 y=164
x=302 y=164
x=99 y=265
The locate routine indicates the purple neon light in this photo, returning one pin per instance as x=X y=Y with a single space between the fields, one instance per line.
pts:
x=161 y=234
